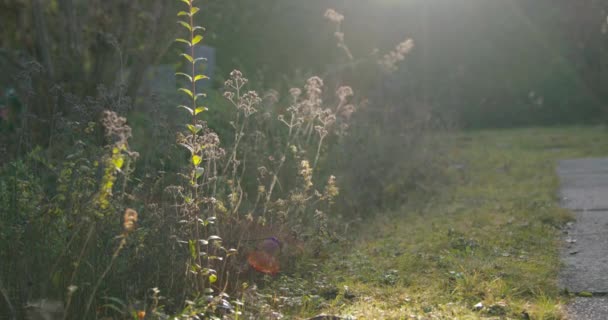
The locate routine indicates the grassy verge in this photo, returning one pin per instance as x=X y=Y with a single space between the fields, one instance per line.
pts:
x=487 y=246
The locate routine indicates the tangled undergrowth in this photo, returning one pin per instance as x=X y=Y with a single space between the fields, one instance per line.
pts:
x=93 y=234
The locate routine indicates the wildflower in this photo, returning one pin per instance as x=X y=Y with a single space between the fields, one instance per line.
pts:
x=229 y=95
x=306 y=173
x=295 y=93
x=314 y=83
x=236 y=74
x=344 y=92
x=116 y=127
x=333 y=16
x=390 y=60
x=331 y=190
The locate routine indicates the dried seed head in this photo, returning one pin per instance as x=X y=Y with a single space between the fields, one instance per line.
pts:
x=333 y=16
x=130 y=218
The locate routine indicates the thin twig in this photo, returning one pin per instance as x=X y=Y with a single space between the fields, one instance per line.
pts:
x=105 y=273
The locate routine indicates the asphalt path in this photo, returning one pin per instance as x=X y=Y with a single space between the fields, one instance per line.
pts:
x=584 y=190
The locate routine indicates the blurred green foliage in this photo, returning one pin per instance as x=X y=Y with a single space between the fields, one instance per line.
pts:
x=488 y=63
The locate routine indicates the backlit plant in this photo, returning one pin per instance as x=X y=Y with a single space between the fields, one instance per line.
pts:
x=197 y=210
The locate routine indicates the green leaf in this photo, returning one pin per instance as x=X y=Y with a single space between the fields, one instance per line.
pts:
x=196 y=160
x=199 y=110
x=200 y=77
x=214 y=238
x=187 y=147
x=182 y=13
x=194 y=129
x=212 y=278
x=199 y=59
x=194 y=10
x=197 y=39
x=184 y=75
x=188 y=57
x=199 y=172
x=185 y=25
x=198 y=28
x=188 y=92
x=186 y=2
x=184 y=41
x=192 y=248
x=189 y=109
x=198 y=95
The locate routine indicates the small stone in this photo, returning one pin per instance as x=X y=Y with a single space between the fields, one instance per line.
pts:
x=478 y=306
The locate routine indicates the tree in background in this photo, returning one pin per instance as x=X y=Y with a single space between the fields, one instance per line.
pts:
x=75 y=46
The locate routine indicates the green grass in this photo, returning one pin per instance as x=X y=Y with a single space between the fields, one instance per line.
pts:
x=491 y=236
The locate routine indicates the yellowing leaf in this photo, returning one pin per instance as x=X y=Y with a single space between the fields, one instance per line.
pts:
x=188 y=57
x=184 y=75
x=200 y=77
x=118 y=162
x=194 y=10
x=184 y=41
x=197 y=39
x=183 y=13
x=185 y=25
x=188 y=92
x=212 y=278
x=196 y=160
x=199 y=110
x=194 y=129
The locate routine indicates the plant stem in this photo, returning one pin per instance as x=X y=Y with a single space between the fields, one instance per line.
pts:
x=73 y=277
x=105 y=272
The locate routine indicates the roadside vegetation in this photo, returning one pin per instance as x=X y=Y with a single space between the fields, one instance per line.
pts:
x=347 y=190
x=486 y=246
